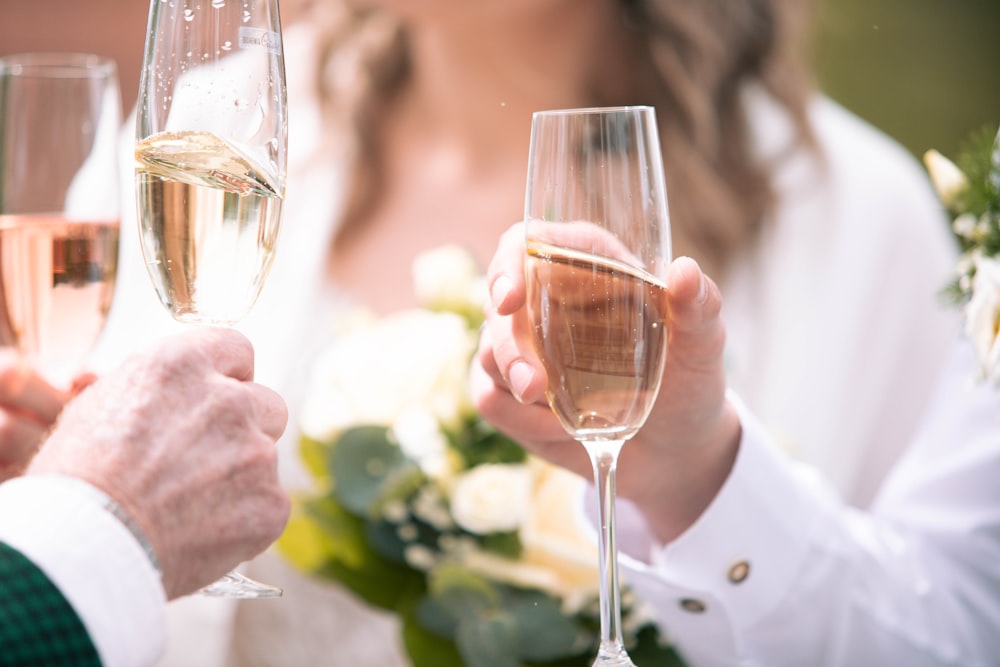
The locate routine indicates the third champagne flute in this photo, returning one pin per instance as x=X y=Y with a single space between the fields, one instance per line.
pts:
x=211 y=141
x=598 y=245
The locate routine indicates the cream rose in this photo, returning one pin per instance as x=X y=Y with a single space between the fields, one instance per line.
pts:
x=559 y=551
x=415 y=359
x=492 y=498
x=448 y=278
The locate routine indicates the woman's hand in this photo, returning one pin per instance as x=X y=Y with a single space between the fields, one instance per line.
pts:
x=676 y=464
x=29 y=406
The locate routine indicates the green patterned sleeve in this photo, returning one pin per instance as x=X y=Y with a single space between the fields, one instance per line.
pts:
x=38 y=627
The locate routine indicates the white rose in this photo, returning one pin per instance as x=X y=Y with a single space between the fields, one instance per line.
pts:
x=492 y=498
x=557 y=536
x=559 y=553
x=421 y=440
x=448 y=278
x=982 y=315
x=374 y=374
x=948 y=179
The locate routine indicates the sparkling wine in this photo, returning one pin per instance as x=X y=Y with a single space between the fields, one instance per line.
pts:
x=600 y=329
x=209 y=224
x=57 y=280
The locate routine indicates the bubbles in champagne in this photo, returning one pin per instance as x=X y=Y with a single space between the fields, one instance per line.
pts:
x=600 y=330
x=209 y=224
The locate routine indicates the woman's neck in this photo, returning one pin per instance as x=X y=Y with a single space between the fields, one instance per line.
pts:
x=477 y=79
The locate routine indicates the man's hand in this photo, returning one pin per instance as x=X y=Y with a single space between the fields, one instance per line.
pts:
x=183 y=439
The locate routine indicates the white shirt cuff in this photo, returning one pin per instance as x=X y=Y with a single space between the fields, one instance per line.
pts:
x=736 y=562
x=61 y=524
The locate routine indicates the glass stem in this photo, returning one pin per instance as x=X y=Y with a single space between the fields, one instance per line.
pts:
x=604 y=457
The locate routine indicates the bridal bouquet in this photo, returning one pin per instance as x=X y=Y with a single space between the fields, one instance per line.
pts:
x=970 y=190
x=423 y=509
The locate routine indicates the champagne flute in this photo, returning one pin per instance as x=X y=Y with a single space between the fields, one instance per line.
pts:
x=598 y=246
x=211 y=133
x=59 y=205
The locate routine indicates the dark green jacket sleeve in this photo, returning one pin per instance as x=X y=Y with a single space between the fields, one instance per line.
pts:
x=38 y=627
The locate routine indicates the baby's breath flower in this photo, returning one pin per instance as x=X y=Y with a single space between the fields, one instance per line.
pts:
x=429 y=506
x=407 y=532
x=394 y=511
x=419 y=557
x=964 y=226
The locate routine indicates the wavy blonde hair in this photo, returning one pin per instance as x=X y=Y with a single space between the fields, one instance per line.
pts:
x=695 y=58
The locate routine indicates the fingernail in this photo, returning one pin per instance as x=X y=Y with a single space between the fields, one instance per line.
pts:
x=702 y=288
x=500 y=289
x=520 y=377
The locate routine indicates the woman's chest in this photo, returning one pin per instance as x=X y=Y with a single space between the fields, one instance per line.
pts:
x=373 y=260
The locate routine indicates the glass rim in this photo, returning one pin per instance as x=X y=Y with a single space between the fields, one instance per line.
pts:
x=57 y=64
x=627 y=108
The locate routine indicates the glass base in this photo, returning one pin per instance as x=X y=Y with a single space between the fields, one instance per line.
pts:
x=613 y=656
x=235 y=585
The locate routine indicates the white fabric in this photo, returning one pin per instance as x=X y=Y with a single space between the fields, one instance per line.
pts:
x=60 y=524
x=914 y=582
x=835 y=337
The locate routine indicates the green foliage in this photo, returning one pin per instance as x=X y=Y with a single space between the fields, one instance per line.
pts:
x=503 y=544
x=494 y=625
x=650 y=650
x=362 y=464
x=477 y=443
x=976 y=208
x=451 y=616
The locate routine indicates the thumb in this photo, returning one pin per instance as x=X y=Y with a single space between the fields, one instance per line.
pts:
x=697 y=333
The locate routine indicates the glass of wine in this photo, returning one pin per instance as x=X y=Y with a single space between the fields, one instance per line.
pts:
x=598 y=247
x=211 y=130
x=211 y=143
x=60 y=114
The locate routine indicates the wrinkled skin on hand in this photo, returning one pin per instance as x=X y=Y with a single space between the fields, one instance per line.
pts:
x=678 y=461
x=184 y=440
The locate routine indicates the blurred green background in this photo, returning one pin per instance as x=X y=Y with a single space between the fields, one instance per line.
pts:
x=926 y=72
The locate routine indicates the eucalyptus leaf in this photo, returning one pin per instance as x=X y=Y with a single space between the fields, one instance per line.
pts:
x=424 y=646
x=384 y=538
x=544 y=632
x=436 y=617
x=650 y=650
x=340 y=551
x=489 y=640
x=462 y=593
x=378 y=581
x=360 y=462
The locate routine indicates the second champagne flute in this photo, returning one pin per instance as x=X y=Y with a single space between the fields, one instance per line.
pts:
x=598 y=245
x=211 y=142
